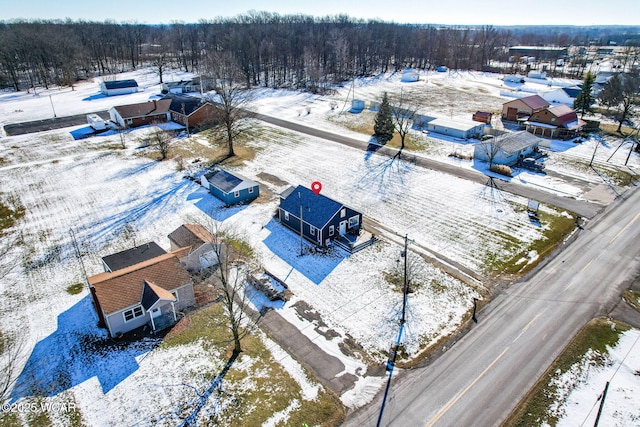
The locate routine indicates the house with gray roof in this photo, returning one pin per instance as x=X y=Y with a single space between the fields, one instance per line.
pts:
x=230 y=188
x=319 y=218
x=507 y=149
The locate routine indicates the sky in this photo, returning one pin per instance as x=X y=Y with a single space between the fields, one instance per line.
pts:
x=456 y=12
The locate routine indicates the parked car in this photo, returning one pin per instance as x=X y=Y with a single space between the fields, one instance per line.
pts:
x=532 y=164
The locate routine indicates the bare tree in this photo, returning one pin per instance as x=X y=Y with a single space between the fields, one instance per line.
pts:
x=12 y=356
x=231 y=96
x=229 y=276
x=160 y=140
x=403 y=112
x=491 y=148
x=122 y=137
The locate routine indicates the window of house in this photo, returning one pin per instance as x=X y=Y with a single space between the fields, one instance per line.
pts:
x=312 y=230
x=536 y=118
x=135 y=312
x=343 y=213
x=353 y=221
x=331 y=230
x=553 y=119
x=236 y=194
x=129 y=121
x=286 y=216
x=250 y=189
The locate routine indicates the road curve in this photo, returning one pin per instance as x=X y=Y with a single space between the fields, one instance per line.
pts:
x=481 y=378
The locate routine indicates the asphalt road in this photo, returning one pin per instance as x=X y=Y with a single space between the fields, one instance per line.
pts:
x=481 y=378
x=579 y=207
x=50 y=124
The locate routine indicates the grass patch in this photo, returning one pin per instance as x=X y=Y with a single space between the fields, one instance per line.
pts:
x=557 y=228
x=632 y=298
x=10 y=212
x=256 y=386
x=612 y=130
x=75 y=289
x=597 y=335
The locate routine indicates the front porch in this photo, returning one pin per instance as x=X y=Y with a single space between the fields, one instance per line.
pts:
x=162 y=322
x=353 y=243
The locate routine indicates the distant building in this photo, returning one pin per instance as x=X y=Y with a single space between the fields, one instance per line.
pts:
x=191 y=111
x=544 y=53
x=507 y=149
x=118 y=87
x=410 y=75
x=134 y=115
x=456 y=128
x=523 y=107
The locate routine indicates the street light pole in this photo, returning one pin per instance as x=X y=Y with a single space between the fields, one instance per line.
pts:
x=54 y=110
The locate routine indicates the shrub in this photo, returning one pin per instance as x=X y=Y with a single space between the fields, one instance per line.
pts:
x=501 y=169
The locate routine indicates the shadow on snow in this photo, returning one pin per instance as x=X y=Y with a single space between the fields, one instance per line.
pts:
x=212 y=206
x=315 y=266
x=78 y=351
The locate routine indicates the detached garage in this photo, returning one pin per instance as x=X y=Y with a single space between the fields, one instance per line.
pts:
x=457 y=129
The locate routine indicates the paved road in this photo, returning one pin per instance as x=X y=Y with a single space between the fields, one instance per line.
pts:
x=50 y=124
x=579 y=207
x=480 y=379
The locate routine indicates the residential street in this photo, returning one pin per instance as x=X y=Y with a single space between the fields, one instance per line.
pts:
x=580 y=207
x=483 y=376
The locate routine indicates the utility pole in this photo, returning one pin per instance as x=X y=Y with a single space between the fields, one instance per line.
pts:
x=393 y=353
x=300 y=200
x=405 y=287
x=78 y=255
x=54 y=110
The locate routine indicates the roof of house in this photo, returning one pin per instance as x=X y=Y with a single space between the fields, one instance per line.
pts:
x=463 y=125
x=184 y=104
x=120 y=84
x=132 y=256
x=152 y=293
x=124 y=288
x=190 y=235
x=228 y=182
x=572 y=92
x=564 y=113
x=317 y=209
x=155 y=107
x=182 y=83
x=535 y=102
x=513 y=142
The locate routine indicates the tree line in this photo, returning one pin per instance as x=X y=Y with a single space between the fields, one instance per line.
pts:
x=296 y=51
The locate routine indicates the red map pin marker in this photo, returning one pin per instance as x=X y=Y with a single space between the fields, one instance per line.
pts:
x=316 y=187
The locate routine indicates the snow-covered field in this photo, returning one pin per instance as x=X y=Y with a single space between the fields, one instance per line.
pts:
x=101 y=192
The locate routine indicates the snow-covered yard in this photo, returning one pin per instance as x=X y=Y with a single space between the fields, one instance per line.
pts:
x=114 y=198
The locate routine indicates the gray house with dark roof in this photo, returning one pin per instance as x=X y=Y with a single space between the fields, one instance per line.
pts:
x=507 y=149
x=322 y=219
x=230 y=188
x=118 y=87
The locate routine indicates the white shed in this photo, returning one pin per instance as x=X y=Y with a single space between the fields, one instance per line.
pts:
x=410 y=75
x=463 y=129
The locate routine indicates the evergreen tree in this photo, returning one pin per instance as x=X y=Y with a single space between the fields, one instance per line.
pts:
x=585 y=98
x=383 y=127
